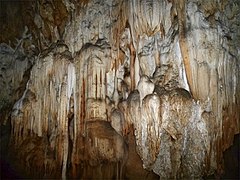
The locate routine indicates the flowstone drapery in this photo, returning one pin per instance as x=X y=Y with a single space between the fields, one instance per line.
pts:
x=164 y=71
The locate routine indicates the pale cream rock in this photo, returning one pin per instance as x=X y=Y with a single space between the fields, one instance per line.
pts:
x=170 y=69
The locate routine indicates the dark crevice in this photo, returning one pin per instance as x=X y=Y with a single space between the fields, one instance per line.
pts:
x=231 y=162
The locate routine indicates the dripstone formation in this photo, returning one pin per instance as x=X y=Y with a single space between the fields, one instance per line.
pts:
x=120 y=89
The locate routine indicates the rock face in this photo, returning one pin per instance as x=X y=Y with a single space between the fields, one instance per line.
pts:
x=166 y=72
x=14 y=73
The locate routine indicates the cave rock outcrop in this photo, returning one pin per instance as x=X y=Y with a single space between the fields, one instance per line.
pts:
x=165 y=71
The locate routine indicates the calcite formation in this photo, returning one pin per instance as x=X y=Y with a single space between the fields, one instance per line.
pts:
x=165 y=71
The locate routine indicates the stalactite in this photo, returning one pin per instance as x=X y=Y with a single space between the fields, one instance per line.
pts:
x=83 y=107
x=115 y=92
x=132 y=65
x=180 y=6
x=160 y=71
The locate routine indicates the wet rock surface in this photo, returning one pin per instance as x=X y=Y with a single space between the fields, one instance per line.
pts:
x=93 y=87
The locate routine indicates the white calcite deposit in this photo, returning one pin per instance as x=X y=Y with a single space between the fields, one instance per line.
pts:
x=169 y=69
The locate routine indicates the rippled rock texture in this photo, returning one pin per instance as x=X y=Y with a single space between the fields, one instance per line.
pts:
x=109 y=84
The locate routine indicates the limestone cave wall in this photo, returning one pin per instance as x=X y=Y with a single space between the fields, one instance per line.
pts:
x=94 y=88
